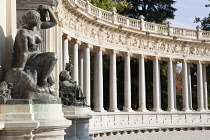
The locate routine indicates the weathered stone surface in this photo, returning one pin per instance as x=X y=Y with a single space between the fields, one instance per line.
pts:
x=31 y=73
x=27 y=120
x=80 y=116
x=5 y=92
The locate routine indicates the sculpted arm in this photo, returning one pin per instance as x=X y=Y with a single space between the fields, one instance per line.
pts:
x=20 y=50
x=53 y=20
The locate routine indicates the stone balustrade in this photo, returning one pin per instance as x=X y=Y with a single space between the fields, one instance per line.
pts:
x=140 y=24
x=123 y=123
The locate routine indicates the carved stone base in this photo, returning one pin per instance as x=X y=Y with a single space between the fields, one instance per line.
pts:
x=18 y=120
x=52 y=121
x=79 y=130
x=24 y=119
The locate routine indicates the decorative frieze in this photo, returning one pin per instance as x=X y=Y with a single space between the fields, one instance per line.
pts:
x=126 y=40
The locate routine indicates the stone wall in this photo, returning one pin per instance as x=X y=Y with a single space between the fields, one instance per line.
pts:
x=7 y=34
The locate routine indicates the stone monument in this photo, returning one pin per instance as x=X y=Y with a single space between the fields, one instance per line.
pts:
x=74 y=108
x=30 y=107
x=70 y=93
x=31 y=72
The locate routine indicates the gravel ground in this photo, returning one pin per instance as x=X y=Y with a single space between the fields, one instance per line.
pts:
x=169 y=135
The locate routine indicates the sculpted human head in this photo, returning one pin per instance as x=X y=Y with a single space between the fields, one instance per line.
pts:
x=31 y=17
x=69 y=66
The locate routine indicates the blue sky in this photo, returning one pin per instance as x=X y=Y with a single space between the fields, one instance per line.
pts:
x=186 y=12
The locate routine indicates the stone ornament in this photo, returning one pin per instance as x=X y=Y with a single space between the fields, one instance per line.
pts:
x=5 y=91
x=31 y=73
x=70 y=93
x=126 y=39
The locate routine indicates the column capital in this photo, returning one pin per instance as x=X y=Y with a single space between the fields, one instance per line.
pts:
x=170 y=59
x=126 y=54
x=200 y=62
x=112 y=51
x=185 y=60
x=155 y=58
x=76 y=41
x=140 y=56
x=66 y=36
x=87 y=45
x=97 y=48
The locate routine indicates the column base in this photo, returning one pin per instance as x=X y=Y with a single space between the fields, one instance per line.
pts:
x=143 y=110
x=113 y=110
x=186 y=109
x=201 y=109
x=99 y=110
x=157 y=110
x=171 y=110
x=127 y=109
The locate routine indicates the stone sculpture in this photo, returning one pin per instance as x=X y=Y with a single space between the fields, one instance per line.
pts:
x=31 y=73
x=70 y=92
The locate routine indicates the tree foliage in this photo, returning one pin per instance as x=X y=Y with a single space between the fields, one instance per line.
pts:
x=120 y=5
x=205 y=22
x=157 y=11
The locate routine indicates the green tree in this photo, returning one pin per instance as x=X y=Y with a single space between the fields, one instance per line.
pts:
x=205 y=22
x=157 y=11
x=120 y=5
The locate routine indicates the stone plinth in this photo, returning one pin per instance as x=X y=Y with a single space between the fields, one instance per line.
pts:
x=80 y=117
x=52 y=121
x=18 y=120
x=27 y=119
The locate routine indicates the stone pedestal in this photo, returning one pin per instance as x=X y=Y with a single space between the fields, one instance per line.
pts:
x=18 y=120
x=79 y=130
x=52 y=121
x=24 y=119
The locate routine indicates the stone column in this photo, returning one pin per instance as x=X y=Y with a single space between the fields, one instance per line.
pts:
x=98 y=81
x=74 y=54
x=127 y=84
x=142 y=86
x=185 y=94
x=171 y=105
x=200 y=87
x=81 y=68
x=156 y=85
x=65 y=50
x=86 y=69
x=8 y=30
x=113 y=83
x=174 y=80
x=189 y=86
x=205 y=93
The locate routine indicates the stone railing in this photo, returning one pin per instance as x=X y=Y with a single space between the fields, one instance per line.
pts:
x=140 y=24
x=121 y=123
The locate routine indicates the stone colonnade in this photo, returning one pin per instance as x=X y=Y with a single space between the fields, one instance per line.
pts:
x=80 y=57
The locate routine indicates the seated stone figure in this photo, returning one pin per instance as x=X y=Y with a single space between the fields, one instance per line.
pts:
x=31 y=71
x=70 y=92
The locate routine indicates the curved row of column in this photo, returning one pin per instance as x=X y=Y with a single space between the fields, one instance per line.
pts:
x=80 y=57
